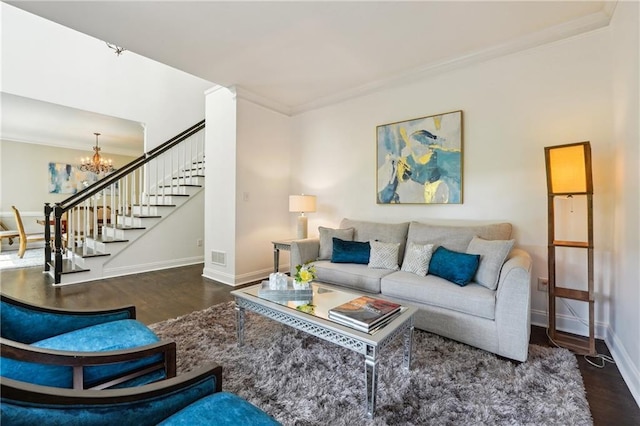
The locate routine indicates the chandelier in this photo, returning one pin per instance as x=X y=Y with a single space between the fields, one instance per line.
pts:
x=96 y=164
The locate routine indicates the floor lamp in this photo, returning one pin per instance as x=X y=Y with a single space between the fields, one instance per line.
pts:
x=568 y=175
x=302 y=204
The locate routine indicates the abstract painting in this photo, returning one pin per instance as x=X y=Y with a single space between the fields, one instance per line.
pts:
x=69 y=179
x=419 y=161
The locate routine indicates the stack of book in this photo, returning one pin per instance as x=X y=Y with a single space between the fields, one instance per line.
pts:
x=364 y=313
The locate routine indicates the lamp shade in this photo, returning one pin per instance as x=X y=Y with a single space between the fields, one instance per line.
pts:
x=302 y=203
x=569 y=169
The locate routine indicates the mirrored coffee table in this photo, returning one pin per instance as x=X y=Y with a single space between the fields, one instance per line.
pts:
x=310 y=314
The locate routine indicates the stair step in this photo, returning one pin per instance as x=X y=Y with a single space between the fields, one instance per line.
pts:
x=126 y=227
x=191 y=185
x=145 y=216
x=155 y=205
x=88 y=252
x=168 y=195
x=68 y=267
x=107 y=240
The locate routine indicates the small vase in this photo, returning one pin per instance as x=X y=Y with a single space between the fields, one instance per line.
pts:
x=301 y=285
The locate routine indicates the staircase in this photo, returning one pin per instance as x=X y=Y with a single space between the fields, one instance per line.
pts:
x=96 y=224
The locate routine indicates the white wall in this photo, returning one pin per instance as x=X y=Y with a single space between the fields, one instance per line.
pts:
x=262 y=193
x=624 y=322
x=47 y=61
x=220 y=181
x=248 y=186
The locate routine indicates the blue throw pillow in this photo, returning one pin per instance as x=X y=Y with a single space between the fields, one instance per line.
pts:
x=456 y=267
x=350 y=251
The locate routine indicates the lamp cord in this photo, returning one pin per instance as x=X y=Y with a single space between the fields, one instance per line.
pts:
x=599 y=360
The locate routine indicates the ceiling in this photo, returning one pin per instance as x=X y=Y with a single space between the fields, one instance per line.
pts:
x=33 y=121
x=299 y=55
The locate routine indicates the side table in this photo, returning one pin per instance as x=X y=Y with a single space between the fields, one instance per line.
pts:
x=277 y=246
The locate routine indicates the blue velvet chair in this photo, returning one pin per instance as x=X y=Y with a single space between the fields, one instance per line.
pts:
x=80 y=349
x=193 y=398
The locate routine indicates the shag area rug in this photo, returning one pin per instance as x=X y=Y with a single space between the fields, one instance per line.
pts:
x=303 y=380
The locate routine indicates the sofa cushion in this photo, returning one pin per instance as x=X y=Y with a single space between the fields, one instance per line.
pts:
x=456 y=238
x=326 y=240
x=417 y=258
x=350 y=251
x=352 y=275
x=454 y=266
x=472 y=299
x=384 y=255
x=386 y=232
x=492 y=255
x=221 y=409
x=97 y=338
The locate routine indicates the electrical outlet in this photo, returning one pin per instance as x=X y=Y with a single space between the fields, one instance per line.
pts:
x=543 y=284
x=199 y=243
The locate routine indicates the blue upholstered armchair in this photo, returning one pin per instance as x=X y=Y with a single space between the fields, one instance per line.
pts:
x=193 y=398
x=80 y=349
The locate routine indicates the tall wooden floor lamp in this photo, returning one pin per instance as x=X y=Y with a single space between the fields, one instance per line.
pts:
x=568 y=175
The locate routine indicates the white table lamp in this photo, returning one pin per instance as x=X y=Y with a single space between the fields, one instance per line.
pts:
x=302 y=204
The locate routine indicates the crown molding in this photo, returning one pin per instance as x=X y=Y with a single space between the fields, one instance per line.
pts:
x=552 y=34
x=247 y=95
x=76 y=147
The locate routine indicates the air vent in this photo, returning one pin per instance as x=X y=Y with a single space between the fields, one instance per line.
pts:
x=219 y=257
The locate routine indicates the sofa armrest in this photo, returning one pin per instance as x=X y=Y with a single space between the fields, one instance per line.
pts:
x=303 y=251
x=513 y=305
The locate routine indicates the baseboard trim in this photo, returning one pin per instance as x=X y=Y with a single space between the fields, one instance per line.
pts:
x=629 y=371
x=150 y=267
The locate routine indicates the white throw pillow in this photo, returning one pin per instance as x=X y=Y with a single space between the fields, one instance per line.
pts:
x=384 y=255
x=417 y=258
x=326 y=240
x=492 y=255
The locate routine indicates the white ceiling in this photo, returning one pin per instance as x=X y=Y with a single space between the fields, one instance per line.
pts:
x=33 y=121
x=292 y=56
x=297 y=55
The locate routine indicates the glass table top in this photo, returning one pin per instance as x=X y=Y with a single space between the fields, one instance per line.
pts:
x=316 y=302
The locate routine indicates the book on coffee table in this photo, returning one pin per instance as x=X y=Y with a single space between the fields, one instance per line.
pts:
x=364 y=313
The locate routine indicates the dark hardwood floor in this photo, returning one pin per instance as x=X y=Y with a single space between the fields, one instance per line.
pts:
x=174 y=292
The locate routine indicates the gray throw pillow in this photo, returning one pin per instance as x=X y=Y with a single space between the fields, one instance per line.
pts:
x=417 y=258
x=384 y=255
x=492 y=255
x=326 y=240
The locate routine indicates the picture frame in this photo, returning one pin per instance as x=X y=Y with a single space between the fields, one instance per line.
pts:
x=419 y=161
x=70 y=179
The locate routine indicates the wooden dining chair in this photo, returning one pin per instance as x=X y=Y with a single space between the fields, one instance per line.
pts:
x=10 y=234
x=24 y=237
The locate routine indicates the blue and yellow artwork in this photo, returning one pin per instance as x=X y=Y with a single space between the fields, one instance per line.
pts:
x=419 y=161
x=69 y=179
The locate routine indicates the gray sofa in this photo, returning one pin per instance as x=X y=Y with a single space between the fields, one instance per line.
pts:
x=481 y=315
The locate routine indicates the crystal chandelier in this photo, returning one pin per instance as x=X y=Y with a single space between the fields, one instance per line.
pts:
x=96 y=164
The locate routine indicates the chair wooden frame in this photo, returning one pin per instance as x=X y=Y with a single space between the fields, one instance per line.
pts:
x=24 y=237
x=80 y=360
x=36 y=394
